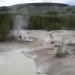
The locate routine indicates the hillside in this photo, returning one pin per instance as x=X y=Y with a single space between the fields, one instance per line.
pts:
x=35 y=8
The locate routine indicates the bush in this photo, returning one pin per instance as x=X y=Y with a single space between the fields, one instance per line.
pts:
x=70 y=22
x=5 y=25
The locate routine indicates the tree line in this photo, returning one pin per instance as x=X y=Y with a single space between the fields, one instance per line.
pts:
x=52 y=22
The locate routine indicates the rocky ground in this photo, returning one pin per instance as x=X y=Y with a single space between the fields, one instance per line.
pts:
x=38 y=57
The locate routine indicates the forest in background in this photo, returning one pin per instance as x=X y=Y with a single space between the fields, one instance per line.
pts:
x=36 y=22
x=52 y=22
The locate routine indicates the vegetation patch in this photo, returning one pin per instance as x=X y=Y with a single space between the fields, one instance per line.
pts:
x=52 y=22
x=5 y=25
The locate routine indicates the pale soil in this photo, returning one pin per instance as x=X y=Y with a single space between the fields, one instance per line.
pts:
x=14 y=62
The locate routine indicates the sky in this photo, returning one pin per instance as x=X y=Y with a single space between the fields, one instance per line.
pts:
x=12 y=2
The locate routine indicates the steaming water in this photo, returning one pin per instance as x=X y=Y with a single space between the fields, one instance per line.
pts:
x=20 y=22
x=19 y=32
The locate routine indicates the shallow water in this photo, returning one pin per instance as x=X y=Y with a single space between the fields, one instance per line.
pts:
x=13 y=61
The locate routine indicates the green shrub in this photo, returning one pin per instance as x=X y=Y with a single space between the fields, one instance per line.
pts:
x=70 y=22
x=5 y=25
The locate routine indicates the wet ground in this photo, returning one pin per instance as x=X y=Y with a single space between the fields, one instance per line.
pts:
x=32 y=58
x=13 y=61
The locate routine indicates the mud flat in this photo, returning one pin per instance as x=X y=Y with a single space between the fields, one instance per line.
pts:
x=13 y=61
x=42 y=60
x=44 y=56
